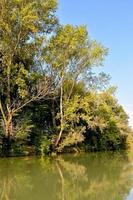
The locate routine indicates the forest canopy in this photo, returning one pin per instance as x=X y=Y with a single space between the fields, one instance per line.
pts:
x=51 y=99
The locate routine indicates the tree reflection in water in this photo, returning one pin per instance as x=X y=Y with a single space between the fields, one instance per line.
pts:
x=88 y=176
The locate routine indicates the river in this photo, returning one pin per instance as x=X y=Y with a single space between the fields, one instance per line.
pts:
x=92 y=176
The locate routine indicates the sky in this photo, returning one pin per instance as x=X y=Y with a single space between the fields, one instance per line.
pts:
x=110 y=23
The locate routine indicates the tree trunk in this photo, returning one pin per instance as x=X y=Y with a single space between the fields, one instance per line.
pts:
x=7 y=140
x=61 y=113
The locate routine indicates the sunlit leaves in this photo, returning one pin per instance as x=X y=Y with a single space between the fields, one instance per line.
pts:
x=71 y=49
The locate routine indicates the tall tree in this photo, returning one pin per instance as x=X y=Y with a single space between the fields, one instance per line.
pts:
x=71 y=53
x=24 y=25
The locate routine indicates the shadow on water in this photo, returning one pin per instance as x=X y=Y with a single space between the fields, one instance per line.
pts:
x=103 y=176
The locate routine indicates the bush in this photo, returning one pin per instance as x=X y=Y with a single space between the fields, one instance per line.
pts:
x=43 y=145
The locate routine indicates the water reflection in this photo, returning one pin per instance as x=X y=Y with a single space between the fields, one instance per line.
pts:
x=88 y=176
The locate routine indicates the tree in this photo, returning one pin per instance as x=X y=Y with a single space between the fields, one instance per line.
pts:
x=47 y=81
x=95 y=119
x=71 y=53
x=24 y=24
x=105 y=121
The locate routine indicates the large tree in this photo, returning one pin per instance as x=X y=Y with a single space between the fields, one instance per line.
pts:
x=70 y=54
x=24 y=24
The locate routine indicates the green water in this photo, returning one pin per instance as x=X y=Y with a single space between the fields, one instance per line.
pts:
x=100 y=176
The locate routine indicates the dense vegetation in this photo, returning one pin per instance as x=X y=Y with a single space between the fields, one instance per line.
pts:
x=51 y=99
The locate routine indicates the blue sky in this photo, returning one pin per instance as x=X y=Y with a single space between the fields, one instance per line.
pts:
x=111 y=23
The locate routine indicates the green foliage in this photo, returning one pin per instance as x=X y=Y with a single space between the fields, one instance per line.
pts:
x=23 y=128
x=104 y=122
x=42 y=145
x=50 y=97
x=18 y=149
x=73 y=138
x=71 y=51
x=107 y=126
x=24 y=26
